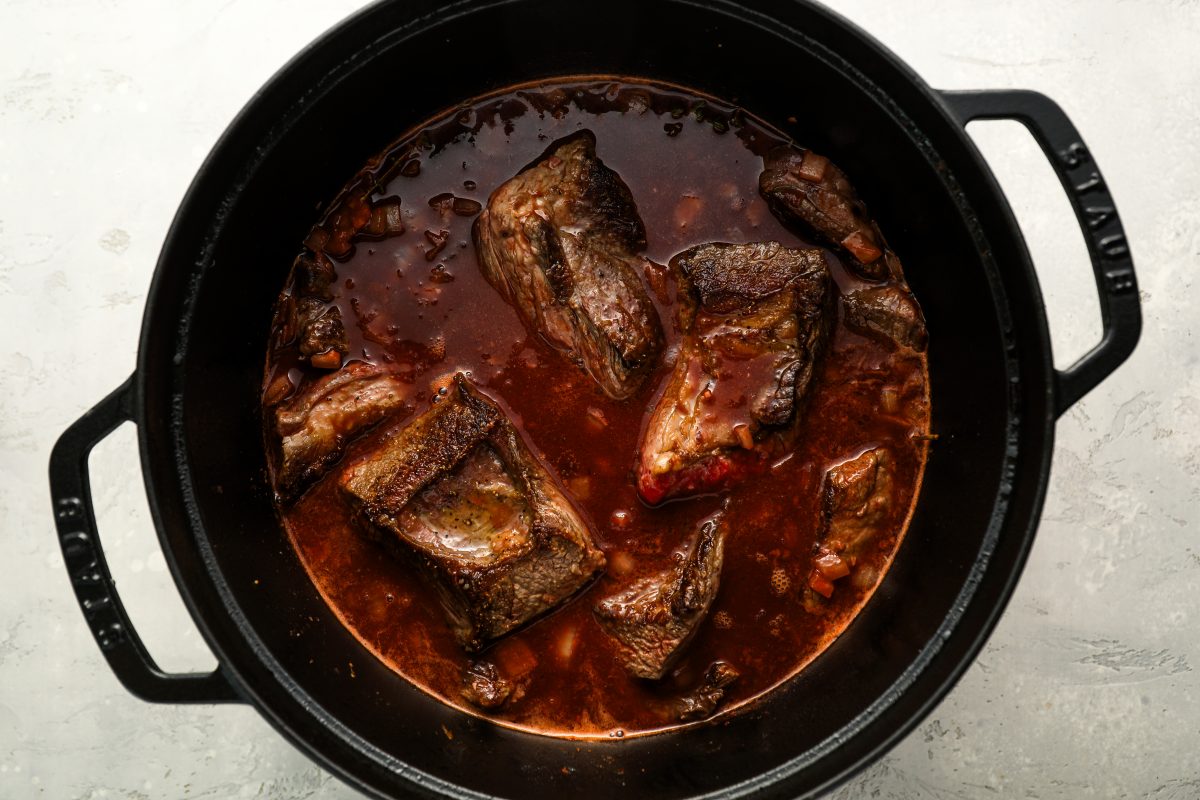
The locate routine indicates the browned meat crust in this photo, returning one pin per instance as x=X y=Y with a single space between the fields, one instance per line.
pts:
x=321 y=329
x=808 y=190
x=653 y=619
x=484 y=687
x=458 y=489
x=559 y=241
x=704 y=699
x=755 y=318
x=307 y=317
x=428 y=448
x=315 y=426
x=888 y=312
x=858 y=497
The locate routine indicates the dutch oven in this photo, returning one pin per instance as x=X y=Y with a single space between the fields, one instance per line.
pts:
x=195 y=394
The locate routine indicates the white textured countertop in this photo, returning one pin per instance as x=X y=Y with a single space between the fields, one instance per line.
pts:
x=1090 y=687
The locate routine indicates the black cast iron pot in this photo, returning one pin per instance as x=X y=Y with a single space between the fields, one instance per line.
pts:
x=194 y=396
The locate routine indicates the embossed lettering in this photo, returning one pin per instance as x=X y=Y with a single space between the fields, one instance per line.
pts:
x=1092 y=184
x=110 y=635
x=1119 y=281
x=81 y=558
x=1097 y=216
x=93 y=606
x=1074 y=155
x=88 y=576
x=76 y=544
x=1114 y=247
x=69 y=508
x=83 y=564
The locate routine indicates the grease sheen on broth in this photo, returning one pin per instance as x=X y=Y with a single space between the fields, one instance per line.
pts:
x=419 y=303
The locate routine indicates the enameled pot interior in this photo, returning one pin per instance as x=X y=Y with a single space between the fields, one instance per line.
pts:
x=239 y=232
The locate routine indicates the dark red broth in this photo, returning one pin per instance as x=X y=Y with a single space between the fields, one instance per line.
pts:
x=692 y=164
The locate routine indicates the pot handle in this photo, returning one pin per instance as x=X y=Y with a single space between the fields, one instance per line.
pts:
x=95 y=589
x=1120 y=309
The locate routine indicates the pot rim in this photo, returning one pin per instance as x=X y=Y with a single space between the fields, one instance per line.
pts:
x=171 y=497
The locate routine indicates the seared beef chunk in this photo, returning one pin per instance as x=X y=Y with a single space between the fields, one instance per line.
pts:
x=503 y=678
x=805 y=188
x=704 y=699
x=458 y=489
x=654 y=618
x=857 y=500
x=889 y=312
x=322 y=334
x=484 y=687
x=313 y=274
x=754 y=319
x=559 y=242
x=306 y=316
x=315 y=425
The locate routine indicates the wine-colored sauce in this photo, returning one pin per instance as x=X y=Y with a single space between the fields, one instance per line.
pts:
x=692 y=165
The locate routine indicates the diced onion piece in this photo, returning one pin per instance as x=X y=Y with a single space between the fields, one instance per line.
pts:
x=580 y=486
x=821 y=585
x=864 y=577
x=566 y=643
x=620 y=562
x=596 y=419
x=687 y=210
x=620 y=519
x=812 y=167
x=515 y=658
x=861 y=247
x=832 y=566
x=743 y=434
x=889 y=399
x=756 y=211
x=330 y=359
x=280 y=388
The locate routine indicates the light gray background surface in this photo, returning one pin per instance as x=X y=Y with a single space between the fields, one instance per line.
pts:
x=1090 y=686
